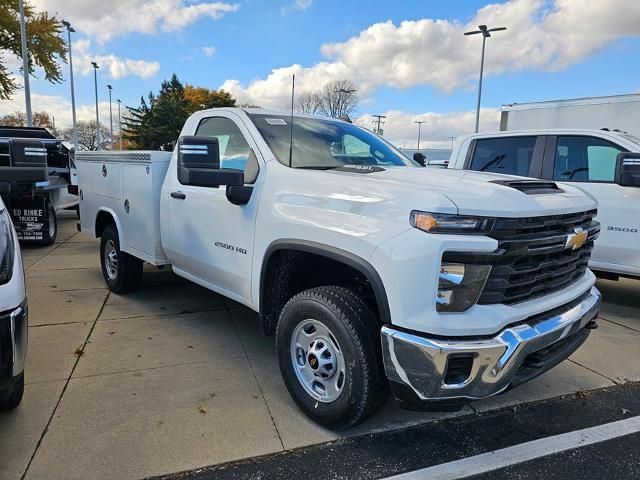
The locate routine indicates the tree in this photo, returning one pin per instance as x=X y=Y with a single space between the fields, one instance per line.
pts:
x=87 y=136
x=308 y=102
x=44 y=43
x=199 y=98
x=339 y=99
x=19 y=119
x=169 y=113
x=136 y=127
x=157 y=122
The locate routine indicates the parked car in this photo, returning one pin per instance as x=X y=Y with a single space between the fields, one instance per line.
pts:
x=361 y=263
x=600 y=162
x=13 y=314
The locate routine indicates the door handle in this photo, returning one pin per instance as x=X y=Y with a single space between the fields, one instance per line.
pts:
x=178 y=195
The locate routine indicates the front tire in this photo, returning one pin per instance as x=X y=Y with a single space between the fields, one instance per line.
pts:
x=329 y=355
x=14 y=396
x=122 y=272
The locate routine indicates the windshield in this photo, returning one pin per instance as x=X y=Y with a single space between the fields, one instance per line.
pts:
x=324 y=144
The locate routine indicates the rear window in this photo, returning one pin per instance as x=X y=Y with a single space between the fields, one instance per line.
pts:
x=508 y=155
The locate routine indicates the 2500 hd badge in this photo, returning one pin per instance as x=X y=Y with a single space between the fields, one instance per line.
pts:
x=231 y=247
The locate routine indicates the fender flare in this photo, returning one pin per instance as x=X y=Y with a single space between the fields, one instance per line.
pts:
x=337 y=254
x=116 y=220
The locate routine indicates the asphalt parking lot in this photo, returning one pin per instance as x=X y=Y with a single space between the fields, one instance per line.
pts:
x=175 y=378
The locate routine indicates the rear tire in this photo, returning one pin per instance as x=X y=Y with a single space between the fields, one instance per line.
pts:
x=14 y=396
x=122 y=272
x=52 y=226
x=328 y=350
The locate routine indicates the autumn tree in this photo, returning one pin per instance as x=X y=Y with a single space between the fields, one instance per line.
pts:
x=199 y=98
x=19 y=119
x=45 y=45
x=157 y=122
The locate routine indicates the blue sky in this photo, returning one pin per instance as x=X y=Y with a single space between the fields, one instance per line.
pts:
x=397 y=66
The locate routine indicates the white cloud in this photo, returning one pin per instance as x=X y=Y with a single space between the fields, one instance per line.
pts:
x=437 y=129
x=303 y=4
x=106 y=20
x=209 y=51
x=59 y=108
x=115 y=66
x=542 y=34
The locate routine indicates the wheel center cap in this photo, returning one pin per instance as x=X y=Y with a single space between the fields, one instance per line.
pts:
x=313 y=361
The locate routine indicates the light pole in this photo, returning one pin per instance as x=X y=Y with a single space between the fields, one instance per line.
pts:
x=119 y=124
x=95 y=81
x=486 y=33
x=25 y=65
x=110 y=115
x=342 y=101
x=73 y=95
x=379 y=120
x=419 y=122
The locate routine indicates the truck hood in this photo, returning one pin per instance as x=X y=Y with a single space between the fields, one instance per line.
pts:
x=472 y=193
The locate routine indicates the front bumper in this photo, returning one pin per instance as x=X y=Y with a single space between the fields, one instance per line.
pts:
x=13 y=343
x=422 y=370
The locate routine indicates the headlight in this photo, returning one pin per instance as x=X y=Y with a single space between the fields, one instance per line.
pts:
x=447 y=223
x=460 y=286
x=6 y=247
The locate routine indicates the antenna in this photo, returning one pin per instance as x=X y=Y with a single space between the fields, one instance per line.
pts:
x=293 y=91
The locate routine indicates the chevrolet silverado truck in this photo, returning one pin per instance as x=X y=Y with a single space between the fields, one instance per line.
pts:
x=27 y=163
x=371 y=271
x=603 y=163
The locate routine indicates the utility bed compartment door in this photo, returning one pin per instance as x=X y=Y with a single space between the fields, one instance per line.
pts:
x=107 y=179
x=138 y=203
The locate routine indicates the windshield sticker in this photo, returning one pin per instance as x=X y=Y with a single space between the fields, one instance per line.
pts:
x=275 y=121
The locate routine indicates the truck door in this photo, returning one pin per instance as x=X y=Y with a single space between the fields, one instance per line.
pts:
x=210 y=238
x=589 y=163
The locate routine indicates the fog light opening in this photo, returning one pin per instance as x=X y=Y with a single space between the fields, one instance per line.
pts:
x=458 y=369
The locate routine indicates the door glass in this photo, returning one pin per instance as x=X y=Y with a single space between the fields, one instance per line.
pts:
x=234 y=149
x=508 y=155
x=585 y=159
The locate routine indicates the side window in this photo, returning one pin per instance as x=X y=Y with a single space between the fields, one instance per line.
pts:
x=585 y=159
x=508 y=155
x=234 y=149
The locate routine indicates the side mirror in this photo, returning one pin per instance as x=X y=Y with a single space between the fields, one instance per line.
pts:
x=628 y=169
x=199 y=164
x=420 y=158
x=27 y=162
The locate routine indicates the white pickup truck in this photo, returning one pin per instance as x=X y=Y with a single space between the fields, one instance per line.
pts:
x=603 y=163
x=452 y=285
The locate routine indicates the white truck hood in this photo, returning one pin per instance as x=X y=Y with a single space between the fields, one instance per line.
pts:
x=472 y=193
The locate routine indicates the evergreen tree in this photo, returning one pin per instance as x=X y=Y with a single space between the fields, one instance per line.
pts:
x=169 y=113
x=137 y=126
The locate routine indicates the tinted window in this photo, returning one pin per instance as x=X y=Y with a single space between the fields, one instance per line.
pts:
x=325 y=143
x=234 y=149
x=508 y=155
x=585 y=159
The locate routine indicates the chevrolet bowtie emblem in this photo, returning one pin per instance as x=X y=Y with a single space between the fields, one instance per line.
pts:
x=576 y=239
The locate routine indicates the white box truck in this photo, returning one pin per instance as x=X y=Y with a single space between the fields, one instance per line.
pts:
x=370 y=270
x=615 y=112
